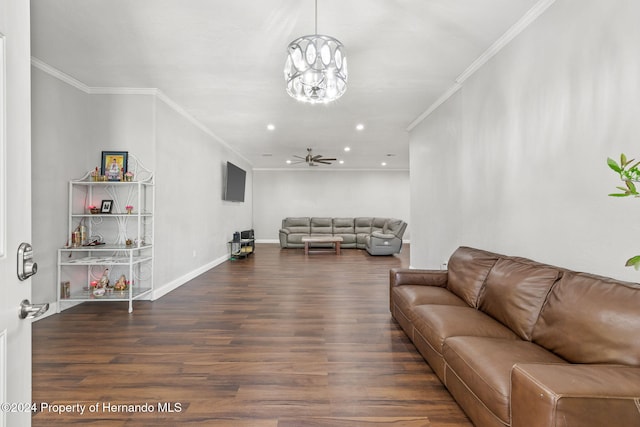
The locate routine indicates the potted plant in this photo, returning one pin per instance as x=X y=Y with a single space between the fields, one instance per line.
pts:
x=629 y=174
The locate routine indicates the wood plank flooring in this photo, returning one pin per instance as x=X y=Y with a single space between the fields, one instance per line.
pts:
x=278 y=339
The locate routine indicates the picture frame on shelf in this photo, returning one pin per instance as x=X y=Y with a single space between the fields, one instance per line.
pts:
x=114 y=164
x=106 y=206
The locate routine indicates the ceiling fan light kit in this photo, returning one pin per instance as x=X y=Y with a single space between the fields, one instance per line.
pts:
x=316 y=68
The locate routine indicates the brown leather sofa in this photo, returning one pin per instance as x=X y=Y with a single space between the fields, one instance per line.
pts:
x=524 y=344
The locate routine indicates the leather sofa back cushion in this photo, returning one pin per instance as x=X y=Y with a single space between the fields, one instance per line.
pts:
x=392 y=226
x=363 y=225
x=343 y=226
x=378 y=224
x=321 y=225
x=515 y=292
x=297 y=225
x=467 y=271
x=591 y=319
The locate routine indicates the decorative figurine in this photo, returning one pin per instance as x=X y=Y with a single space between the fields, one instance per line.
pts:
x=121 y=284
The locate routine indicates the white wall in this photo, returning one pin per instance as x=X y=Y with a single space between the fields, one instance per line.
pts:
x=61 y=150
x=70 y=128
x=193 y=223
x=327 y=192
x=515 y=161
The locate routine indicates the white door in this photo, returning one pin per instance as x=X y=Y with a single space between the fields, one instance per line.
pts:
x=15 y=210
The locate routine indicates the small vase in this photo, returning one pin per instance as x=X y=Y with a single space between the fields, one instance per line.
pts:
x=129 y=211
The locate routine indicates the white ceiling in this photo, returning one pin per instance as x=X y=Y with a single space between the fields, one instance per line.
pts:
x=222 y=61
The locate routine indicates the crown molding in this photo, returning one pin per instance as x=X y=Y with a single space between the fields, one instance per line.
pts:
x=297 y=169
x=532 y=14
x=54 y=72
x=123 y=91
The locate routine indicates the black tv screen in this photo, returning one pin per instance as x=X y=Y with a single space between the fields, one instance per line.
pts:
x=234 y=187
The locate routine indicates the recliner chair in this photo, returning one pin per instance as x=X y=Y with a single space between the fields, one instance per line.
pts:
x=388 y=241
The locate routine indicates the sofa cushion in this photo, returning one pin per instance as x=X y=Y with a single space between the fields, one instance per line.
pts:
x=408 y=296
x=468 y=269
x=378 y=224
x=297 y=225
x=483 y=365
x=343 y=226
x=591 y=319
x=321 y=225
x=392 y=226
x=363 y=229
x=439 y=322
x=514 y=293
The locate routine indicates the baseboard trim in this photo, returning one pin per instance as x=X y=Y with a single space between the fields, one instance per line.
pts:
x=176 y=283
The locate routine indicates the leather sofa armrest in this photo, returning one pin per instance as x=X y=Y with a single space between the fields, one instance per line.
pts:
x=384 y=236
x=284 y=231
x=575 y=395
x=409 y=276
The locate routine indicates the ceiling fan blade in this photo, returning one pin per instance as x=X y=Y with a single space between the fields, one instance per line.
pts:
x=323 y=162
x=327 y=159
x=298 y=157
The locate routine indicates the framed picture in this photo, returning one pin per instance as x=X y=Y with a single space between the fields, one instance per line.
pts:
x=106 y=206
x=114 y=164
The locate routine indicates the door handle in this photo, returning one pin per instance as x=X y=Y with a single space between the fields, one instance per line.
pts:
x=31 y=311
x=26 y=266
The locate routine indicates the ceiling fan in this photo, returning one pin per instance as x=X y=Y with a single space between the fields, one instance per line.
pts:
x=312 y=160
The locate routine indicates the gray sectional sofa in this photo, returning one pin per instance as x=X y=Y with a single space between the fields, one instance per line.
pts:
x=378 y=236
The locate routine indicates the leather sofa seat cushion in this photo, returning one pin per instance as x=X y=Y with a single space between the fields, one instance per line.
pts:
x=297 y=225
x=437 y=323
x=515 y=292
x=468 y=269
x=406 y=297
x=484 y=366
x=296 y=237
x=591 y=319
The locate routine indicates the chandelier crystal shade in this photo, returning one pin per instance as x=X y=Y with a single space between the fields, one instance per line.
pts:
x=316 y=68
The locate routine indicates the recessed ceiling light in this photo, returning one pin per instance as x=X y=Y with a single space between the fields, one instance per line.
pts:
x=383 y=163
x=359 y=126
x=288 y=162
x=271 y=126
x=347 y=149
x=341 y=162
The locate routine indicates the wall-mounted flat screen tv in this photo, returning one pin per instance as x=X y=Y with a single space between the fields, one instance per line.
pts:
x=234 y=187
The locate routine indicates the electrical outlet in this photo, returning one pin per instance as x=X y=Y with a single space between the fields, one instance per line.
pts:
x=443 y=266
x=194 y=253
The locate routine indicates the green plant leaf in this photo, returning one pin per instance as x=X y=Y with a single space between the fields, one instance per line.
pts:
x=613 y=165
x=619 y=194
x=632 y=187
x=633 y=262
x=623 y=160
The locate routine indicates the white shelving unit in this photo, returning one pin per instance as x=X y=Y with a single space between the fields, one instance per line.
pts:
x=105 y=239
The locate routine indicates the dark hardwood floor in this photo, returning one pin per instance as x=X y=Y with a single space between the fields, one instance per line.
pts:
x=278 y=339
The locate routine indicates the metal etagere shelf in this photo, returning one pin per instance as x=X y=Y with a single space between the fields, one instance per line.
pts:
x=117 y=243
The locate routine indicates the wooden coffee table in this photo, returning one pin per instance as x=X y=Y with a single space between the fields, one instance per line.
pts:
x=335 y=240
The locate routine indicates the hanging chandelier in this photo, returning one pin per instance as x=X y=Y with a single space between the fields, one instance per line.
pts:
x=316 y=68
